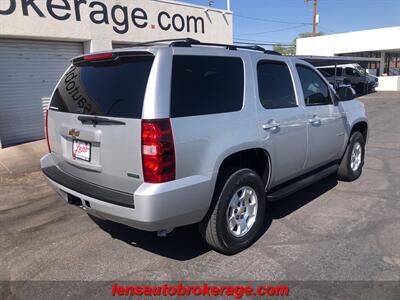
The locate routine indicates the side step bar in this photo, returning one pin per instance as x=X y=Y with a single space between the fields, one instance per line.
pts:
x=278 y=193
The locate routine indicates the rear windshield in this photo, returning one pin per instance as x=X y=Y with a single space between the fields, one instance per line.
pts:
x=113 y=89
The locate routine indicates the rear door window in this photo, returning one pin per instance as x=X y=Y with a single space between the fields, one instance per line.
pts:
x=275 y=85
x=329 y=71
x=113 y=89
x=204 y=85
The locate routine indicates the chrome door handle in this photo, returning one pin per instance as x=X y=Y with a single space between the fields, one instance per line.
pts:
x=315 y=121
x=273 y=125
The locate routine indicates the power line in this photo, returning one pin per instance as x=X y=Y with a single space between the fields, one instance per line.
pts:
x=326 y=29
x=271 y=31
x=270 y=20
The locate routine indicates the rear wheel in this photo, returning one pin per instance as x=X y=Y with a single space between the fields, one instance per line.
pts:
x=353 y=159
x=236 y=219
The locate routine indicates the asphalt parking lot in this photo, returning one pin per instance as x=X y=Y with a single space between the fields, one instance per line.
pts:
x=329 y=231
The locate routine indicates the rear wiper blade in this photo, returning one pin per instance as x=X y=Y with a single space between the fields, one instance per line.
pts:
x=98 y=120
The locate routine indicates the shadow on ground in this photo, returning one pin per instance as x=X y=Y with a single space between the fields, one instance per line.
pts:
x=282 y=208
x=185 y=243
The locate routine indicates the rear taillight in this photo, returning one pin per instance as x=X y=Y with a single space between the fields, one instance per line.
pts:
x=46 y=129
x=158 y=153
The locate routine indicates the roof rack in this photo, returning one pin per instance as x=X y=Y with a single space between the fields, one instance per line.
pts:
x=189 y=42
x=184 y=40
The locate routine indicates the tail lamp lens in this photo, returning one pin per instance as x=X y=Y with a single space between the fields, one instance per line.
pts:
x=158 y=153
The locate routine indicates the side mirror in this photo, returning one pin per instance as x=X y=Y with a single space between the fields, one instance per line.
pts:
x=345 y=93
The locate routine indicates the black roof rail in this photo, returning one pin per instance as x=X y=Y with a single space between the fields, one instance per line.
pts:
x=272 y=52
x=189 y=42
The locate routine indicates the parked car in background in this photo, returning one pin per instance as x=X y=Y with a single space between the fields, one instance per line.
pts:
x=334 y=81
x=352 y=74
x=165 y=135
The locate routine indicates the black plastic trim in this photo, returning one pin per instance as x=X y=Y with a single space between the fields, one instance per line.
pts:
x=285 y=189
x=89 y=189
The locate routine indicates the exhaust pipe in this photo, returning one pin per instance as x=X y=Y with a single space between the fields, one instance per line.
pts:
x=74 y=200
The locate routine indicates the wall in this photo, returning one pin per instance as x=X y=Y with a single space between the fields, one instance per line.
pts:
x=100 y=23
x=356 y=41
x=389 y=83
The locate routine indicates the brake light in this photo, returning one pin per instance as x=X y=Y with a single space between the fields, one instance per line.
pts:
x=46 y=129
x=158 y=153
x=100 y=56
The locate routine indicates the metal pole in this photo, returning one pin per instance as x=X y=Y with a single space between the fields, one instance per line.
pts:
x=314 y=32
x=334 y=78
x=315 y=19
x=228 y=5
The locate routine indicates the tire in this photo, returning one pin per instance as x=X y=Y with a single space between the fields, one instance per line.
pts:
x=360 y=88
x=348 y=171
x=232 y=186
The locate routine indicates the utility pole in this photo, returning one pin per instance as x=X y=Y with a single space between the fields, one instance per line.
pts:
x=314 y=32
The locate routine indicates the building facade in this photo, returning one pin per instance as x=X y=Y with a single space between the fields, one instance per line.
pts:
x=39 y=37
x=382 y=43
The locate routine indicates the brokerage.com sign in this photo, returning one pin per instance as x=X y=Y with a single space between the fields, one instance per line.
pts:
x=120 y=16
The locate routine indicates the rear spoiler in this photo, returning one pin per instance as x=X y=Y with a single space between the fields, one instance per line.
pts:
x=108 y=57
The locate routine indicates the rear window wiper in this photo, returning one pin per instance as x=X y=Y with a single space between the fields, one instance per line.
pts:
x=97 y=120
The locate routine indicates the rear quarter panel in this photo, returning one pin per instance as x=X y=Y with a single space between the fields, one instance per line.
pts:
x=203 y=142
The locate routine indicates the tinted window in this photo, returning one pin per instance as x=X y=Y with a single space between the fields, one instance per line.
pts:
x=327 y=71
x=324 y=73
x=105 y=89
x=206 y=85
x=352 y=72
x=275 y=85
x=315 y=90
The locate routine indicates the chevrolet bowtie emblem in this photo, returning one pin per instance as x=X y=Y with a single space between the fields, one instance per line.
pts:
x=74 y=133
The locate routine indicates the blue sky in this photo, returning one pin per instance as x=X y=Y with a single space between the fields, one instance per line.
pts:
x=335 y=16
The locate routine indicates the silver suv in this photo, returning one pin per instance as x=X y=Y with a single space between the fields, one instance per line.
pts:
x=165 y=135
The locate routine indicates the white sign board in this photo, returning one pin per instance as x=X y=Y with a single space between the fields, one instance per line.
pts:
x=120 y=21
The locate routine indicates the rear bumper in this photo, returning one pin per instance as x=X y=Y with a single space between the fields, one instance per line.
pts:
x=151 y=207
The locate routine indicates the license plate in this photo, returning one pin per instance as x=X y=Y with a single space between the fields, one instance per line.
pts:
x=81 y=150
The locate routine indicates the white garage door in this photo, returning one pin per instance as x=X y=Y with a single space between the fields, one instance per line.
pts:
x=29 y=71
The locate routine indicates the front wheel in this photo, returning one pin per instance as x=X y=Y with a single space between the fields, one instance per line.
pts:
x=350 y=167
x=236 y=219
